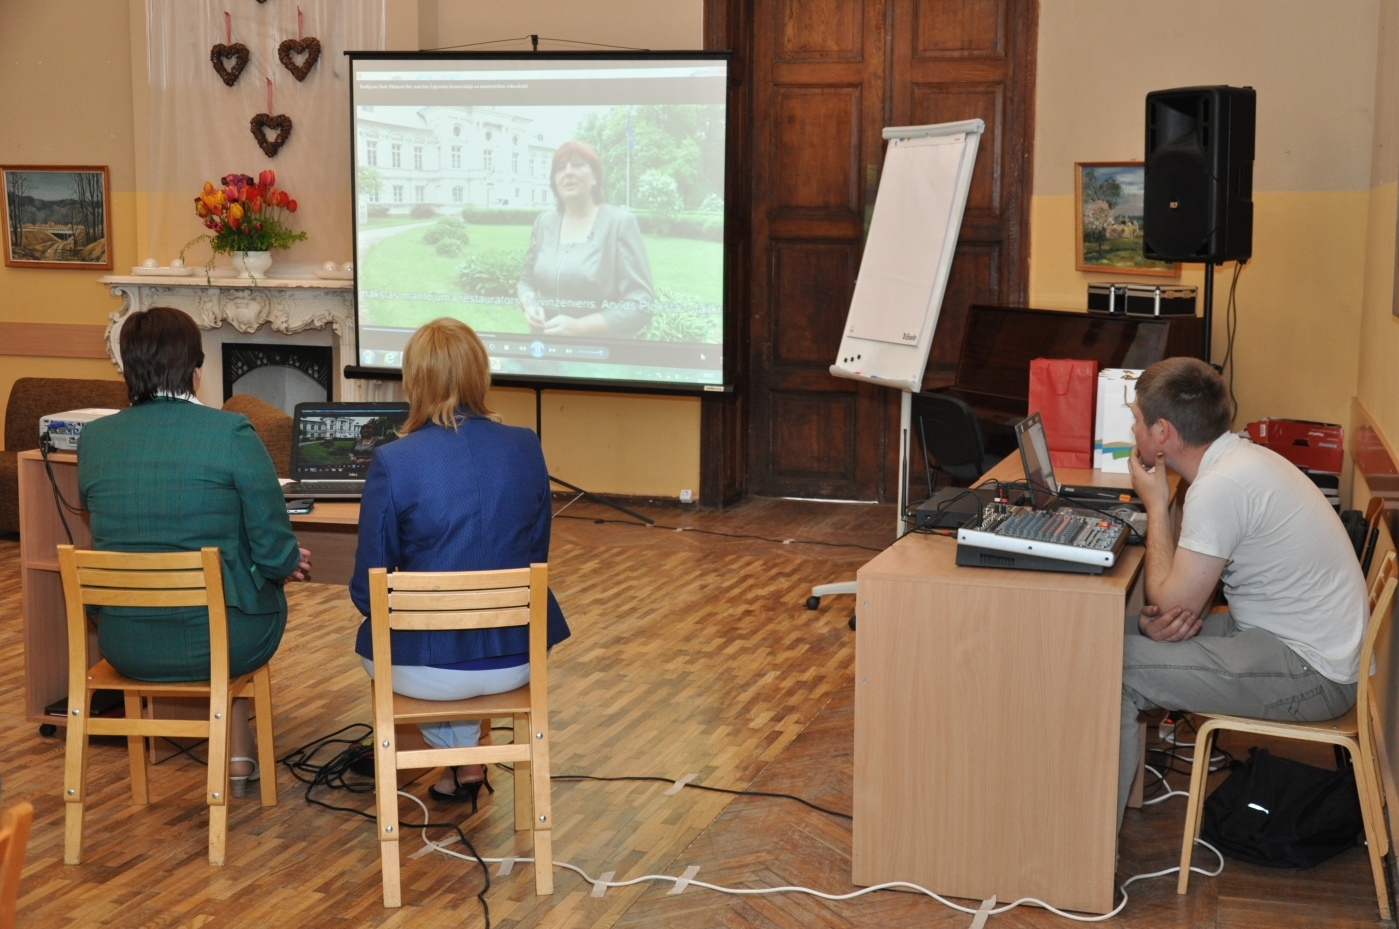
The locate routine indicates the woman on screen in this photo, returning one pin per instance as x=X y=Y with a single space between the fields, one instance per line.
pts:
x=586 y=271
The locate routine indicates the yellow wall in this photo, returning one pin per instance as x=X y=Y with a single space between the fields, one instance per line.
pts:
x=1313 y=66
x=1378 y=387
x=78 y=114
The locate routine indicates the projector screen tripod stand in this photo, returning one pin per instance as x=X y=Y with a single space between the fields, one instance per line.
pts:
x=582 y=494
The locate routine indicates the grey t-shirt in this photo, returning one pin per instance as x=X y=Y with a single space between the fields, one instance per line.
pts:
x=1292 y=570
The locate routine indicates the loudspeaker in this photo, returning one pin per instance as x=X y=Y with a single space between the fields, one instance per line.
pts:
x=1198 y=201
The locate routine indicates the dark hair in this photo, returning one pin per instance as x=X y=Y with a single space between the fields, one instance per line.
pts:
x=581 y=150
x=160 y=349
x=1189 y=395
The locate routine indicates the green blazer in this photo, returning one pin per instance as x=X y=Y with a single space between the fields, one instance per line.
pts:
x=170 y=475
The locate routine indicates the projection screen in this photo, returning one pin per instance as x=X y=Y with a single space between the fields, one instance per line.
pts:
x=568 y=207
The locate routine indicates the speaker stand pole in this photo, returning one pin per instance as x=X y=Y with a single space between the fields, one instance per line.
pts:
x=1209 y=310
x=539 y=431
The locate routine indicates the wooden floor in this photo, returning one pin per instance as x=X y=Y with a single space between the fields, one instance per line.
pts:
x=691 y=653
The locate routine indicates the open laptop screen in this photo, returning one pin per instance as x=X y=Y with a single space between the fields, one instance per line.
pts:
x=337 y=441
x=1034 y=455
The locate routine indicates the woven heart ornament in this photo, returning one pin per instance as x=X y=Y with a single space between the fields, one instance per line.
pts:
x=265 y=121
x=238 y=52
x=309 y=46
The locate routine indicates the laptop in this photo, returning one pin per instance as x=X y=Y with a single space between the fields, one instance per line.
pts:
x=333 y=444
x=1039 y=471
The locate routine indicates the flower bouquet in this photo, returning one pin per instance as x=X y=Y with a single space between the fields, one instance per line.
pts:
x=248 y=219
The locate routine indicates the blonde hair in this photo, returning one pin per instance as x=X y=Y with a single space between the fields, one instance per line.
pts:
x=445 y=367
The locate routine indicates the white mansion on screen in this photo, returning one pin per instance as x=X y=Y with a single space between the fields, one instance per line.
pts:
x=451 y=156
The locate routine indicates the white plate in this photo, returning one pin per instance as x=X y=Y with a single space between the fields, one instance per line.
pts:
x=164 y=272
x=336 y=275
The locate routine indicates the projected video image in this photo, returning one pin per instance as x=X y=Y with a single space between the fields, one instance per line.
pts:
x=578 y=239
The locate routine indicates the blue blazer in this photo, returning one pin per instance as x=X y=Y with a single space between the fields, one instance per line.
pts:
x=474 y=499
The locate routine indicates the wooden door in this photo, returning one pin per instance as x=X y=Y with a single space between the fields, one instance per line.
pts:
x=826 y=77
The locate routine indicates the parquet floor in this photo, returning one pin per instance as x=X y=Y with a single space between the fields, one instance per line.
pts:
x=690 y=653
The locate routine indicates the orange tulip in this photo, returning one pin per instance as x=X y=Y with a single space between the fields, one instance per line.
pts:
x=200 y=209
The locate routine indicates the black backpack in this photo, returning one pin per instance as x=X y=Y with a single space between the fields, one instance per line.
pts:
x=1283 y=813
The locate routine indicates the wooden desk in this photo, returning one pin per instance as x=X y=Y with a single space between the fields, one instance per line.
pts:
x=987 y=712
x=329 y=531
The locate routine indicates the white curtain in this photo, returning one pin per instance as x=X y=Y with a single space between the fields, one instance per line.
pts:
x=199 y=126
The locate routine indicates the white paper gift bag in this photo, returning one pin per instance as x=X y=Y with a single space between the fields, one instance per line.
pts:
x=1112 y=434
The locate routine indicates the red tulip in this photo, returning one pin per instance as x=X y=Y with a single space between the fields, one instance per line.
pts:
x=291 y=205
x=230 y=194
x=256 y=204
x=267 y=178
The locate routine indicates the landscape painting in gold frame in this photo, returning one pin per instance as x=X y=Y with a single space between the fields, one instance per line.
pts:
x=1108 y=219
x=57 y=216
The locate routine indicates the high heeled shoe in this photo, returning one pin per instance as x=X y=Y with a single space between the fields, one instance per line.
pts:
x=462 y=792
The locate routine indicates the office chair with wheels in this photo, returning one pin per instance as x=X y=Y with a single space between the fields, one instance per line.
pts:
x=947 y=431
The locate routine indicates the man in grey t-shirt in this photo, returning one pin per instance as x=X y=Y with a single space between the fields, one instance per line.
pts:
x=1289 y=647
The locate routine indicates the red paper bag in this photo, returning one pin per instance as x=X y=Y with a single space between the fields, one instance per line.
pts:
x=1062 y=391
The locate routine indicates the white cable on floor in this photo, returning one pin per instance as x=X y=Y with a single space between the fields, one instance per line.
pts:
x=746 y=891
x=1169 y=792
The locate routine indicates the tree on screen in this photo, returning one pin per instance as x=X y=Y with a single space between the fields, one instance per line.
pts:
x=682 y=142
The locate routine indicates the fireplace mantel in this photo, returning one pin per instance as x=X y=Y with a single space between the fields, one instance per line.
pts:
x=280 y=309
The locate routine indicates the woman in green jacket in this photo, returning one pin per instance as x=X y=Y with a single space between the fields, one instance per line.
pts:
x=168 y=474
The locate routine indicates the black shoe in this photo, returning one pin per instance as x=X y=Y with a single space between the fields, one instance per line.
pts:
x=462 y=792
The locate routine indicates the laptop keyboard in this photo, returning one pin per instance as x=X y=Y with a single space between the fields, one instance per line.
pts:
x=325 y=487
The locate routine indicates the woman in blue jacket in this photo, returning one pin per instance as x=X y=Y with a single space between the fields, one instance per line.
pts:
x=458 y=492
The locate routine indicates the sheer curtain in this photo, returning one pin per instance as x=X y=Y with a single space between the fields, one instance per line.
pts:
x=199 y=127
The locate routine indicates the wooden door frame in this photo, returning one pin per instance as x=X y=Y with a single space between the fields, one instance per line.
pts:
x=724 y=418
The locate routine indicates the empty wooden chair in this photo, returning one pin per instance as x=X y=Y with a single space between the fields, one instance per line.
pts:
x=14 y=836
x=463 y=600
x=165 y=579
x=1351 y=732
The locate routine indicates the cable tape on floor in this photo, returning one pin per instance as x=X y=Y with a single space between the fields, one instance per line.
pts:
x=506 y=866
x=600 y=885
x=685 y=879
x=983 y=912
x=674 y=789
x=429 y=849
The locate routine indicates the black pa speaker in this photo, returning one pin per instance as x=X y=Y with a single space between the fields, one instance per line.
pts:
x=1198 y=201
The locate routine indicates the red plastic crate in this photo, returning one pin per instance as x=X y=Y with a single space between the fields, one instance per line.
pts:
x=1306 y=444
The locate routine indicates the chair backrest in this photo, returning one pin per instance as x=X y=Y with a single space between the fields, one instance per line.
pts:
x=272 y=426
x=142 y=579
x=1389 y=568
x=14 y=836
x=947 y=429
x=1379 y=618
x=449 y=600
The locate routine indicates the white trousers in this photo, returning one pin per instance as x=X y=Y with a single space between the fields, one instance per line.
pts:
x=424 y=683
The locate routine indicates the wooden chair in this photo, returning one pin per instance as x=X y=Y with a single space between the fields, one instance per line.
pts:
x=166 y=579
x=1351 y=732
x=464 y=600
x=14 y=836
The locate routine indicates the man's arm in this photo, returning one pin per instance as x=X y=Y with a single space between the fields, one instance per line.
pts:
x=1175 y=577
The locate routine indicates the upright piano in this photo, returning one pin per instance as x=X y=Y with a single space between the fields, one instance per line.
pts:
x=993 y=369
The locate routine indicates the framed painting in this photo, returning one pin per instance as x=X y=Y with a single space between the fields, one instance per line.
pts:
x=57 y=217
x=1108 y=222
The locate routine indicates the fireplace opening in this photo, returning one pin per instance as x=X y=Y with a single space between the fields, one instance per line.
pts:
x=279 y=374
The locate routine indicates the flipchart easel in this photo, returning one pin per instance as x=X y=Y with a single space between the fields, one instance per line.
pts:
x=903 y=274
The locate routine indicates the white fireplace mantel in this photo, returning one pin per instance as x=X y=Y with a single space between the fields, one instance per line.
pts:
x=292 y=310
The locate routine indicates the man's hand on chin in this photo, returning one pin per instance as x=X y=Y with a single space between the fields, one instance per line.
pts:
x=1152 y=486
x=1174 y=625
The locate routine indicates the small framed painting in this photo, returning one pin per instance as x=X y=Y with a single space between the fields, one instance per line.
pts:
x=57 y=217
x=1109 y=219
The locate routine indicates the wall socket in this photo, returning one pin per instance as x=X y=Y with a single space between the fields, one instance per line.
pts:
x=687 y=496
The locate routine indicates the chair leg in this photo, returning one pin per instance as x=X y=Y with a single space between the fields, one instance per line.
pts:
x=216 y=794
x=266 y=748
x=388 y=864
x=74 y=788
x=1195 y=806
x=136 y=752
x=523 y=804
x=1374 y=824
x=543 y=862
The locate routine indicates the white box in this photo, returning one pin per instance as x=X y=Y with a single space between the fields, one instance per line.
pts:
x=1112 y=432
